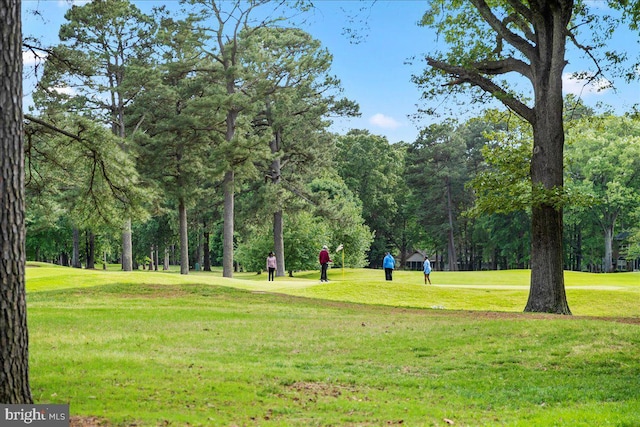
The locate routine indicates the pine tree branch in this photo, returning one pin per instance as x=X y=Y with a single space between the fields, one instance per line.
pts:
x=51 y=127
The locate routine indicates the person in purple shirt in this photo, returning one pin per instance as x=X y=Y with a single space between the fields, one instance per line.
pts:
x=271 y=266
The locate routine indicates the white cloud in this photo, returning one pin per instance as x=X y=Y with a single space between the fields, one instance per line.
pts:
x=69 y=3
x=66 y=90
x=580 y=84
x=30 y=59
x=385 y=122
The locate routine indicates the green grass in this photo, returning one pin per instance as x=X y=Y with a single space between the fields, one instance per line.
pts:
x=154 y=348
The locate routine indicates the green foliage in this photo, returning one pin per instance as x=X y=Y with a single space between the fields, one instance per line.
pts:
x=342 y=212
x=510 y=240
x=159 y=231
x=252 y=253
x=85 y=173
x=603 y=159
x=105 y=46
x=174 y=145
x=485 y=41
x=372 y=168
x=95 y=72
x=436 y=172
x=505 y=185
x=304 y=235
x=46 y=240
x=633 y=251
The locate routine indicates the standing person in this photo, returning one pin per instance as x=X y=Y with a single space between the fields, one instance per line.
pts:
x=324 y=259
x=427 y=269
x=388 y=263
x=271 y=266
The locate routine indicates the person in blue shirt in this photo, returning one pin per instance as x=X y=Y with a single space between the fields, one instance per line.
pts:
x=388 y=263
x=427 y=269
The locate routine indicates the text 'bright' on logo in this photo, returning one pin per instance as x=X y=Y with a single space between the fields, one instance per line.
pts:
x=34 y=415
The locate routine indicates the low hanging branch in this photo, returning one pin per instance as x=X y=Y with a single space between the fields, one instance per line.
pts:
x=99 y=166
x=52 y=127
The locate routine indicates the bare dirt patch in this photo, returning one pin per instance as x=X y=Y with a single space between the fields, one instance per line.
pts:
x=87 y=422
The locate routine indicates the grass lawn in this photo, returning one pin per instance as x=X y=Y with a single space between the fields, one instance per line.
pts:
x=160 y=349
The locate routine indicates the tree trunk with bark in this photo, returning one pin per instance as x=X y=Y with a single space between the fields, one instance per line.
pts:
x=207 y=252
x=14 y=337
x=75 y=258
x=91 y=250
x=453 y=260
x=608 y=248
x=165 y=264
x=227 y=244
x=547 y=292
x=127 y=247
x=278 y=242
x=152 y=258
x=184 y=238
x=540 y=58
x=278 y=215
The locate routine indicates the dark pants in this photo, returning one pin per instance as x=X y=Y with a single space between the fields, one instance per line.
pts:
x=323 y=272
x=388 y=273
x=272 y=272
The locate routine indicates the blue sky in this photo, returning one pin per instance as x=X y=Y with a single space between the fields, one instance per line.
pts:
x=373 y=71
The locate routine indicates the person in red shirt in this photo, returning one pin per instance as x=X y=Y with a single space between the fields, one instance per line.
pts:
x=324 y=259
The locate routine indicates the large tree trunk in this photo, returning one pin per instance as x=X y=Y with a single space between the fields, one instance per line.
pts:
x=152 y=258
x=184 y=238
x=14 y=337
x=75 y=258
x=118 y=128
x=207 y=252
x=608 y=248
x=227 y=239
x=547 y=292
x=278 y=215
x=91 y=250
x=278 y=242
x=199 y=250
x=127 y=247
x=165 y=264
x=228 y=186
x=453 y=260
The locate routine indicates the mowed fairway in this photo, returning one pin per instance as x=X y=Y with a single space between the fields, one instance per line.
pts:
x=160 y=349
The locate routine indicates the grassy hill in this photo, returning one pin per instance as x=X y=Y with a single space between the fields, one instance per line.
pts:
x=159 y=349
x=589 y=294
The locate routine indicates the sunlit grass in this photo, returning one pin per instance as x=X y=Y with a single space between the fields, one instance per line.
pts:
x=588 y=294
